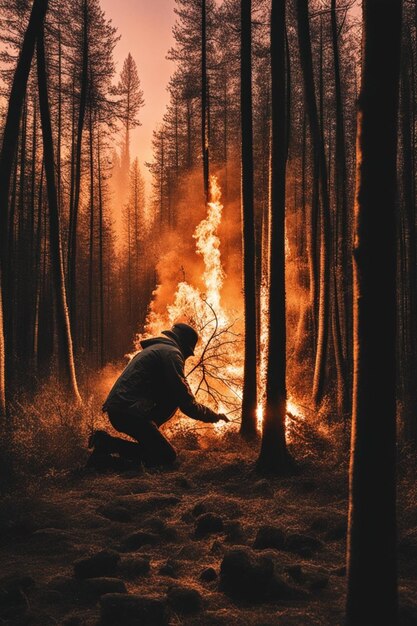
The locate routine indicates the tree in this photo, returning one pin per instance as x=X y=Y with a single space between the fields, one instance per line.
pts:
x=249 y=400
x=320 y=219
x=8 y=151
x=130 y=103
x=372 y=507
x=274 y=456
x=63 y=323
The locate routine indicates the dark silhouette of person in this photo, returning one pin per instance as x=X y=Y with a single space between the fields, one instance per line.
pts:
x=146 y=395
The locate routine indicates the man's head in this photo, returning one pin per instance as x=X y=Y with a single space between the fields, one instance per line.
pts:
x=185 y=336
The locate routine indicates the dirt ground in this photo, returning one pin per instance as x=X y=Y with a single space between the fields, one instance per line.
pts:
x=162 y=529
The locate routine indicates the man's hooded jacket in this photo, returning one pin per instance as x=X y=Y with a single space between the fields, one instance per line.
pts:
x=153 y=384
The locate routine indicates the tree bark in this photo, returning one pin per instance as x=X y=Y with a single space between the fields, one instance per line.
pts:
x=204 y=100
x=372 y=569
x=65 y=351
x=249 y=400
x=72 y=238
x=321 y=178
x=274 y=456
x=8 y=151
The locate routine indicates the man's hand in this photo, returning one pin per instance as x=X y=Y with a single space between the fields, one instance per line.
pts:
x=221 y=417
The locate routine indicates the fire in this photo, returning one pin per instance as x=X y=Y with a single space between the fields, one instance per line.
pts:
x=216 y=373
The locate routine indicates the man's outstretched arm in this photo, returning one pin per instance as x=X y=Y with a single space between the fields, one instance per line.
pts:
x=174 y=370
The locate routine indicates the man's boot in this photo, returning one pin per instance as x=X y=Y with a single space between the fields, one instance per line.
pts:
x=106 y=445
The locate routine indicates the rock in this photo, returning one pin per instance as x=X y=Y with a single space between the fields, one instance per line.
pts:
x=132 y=567
x=138 y=539
x=208 y=575
x=269 y=537
x=245 y=576
x=132 y=610
x=304 y=545
x=97 y=587
x=234 y=532
x=102 y=563
x=208 y=524
x=185 y=600
x=183 y=483
x=170 y=568
x=115 y=513
x=189 y=552
x=199 y=509
x=312 y=578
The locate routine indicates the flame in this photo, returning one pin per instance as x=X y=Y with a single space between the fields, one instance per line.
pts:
x=204 y=309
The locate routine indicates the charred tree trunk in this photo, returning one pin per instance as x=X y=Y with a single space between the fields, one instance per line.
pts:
x=274 y=456
x=8 y=152
x=372 y=506
x=65 y=352
x=249 y=400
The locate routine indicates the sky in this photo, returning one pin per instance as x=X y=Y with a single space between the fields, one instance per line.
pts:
x=145 y=27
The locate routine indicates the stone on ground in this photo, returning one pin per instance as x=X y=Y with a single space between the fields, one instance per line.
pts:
x=132 y=610
x=185 y=600
x=102 y=563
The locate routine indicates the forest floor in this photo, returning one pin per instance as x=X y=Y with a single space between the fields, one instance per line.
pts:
x=147 y=547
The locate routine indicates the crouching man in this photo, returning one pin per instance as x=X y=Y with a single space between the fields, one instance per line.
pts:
x=146 y=395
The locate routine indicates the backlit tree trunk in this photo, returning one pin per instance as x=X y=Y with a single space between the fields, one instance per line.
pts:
x=204 y=100
x=274 y=457
x=249 y=401
x=8 y=152
x=372 y=570
x=320 y=178
x=63 y=324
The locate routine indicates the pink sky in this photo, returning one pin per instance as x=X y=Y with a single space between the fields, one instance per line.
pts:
x=145 y=27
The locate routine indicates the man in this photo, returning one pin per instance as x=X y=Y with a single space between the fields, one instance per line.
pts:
x=146 y=395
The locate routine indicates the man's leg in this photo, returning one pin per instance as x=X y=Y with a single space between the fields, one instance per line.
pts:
x=152 y=448
x=155 y=447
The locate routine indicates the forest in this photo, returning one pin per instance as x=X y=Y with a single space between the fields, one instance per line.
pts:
x=277 y=217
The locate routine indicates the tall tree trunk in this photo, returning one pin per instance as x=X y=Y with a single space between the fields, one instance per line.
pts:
x=72 y=241
x=100 y=248
x=204 y=100
x=341 y=242
x=91 y=243
x=8 y=151
x=320 y=175
x=407 y=288
x=372 y=570
x=65 y=352
x=249 y=400
x=274 y=456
